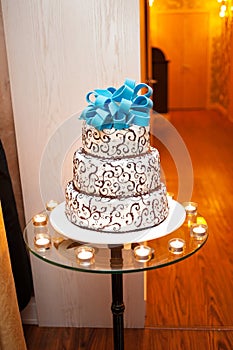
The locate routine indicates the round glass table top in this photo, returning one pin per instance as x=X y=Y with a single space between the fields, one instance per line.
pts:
x=55 y=248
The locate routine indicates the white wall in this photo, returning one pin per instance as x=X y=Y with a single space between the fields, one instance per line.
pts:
x=57 y=51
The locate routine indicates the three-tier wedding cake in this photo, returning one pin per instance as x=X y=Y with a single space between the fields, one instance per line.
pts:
x=116 y=183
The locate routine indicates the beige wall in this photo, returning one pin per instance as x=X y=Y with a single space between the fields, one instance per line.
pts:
x=58 y=51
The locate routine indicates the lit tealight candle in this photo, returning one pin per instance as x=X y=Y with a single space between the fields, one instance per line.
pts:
x=51 y=205
x=42 y=241
x=142 y=253
x=170 y=195
x=40 y=220
x=85 y=255
x=190 y=207
x=176 y=245
x=198 y=231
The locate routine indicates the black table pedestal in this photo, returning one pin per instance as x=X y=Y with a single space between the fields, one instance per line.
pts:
x=121 y=260
x=118 y=306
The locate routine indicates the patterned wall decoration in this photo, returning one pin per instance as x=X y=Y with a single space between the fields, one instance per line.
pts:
x=220 y=67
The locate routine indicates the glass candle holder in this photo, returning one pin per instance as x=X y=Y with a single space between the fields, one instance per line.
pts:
x=191 y=212
x=42 y=241
x=190 y=207
x=170 y=195
x=50 y=205
x=176 y=245
x=199 y=231
x=142 y=253
x=40 y=220
x=85 y=255
x=57 y=240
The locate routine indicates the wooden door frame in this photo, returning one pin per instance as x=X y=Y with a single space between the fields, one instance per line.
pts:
x=145 y=47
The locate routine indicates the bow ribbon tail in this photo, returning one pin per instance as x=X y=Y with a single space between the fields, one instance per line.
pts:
x=87 y=114
x=101 y=120
x=139 y=118
x=120 y=123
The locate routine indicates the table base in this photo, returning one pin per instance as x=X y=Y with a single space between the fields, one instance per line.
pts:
x=118 y=306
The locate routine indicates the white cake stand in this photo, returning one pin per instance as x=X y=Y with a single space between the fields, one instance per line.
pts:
x=62 y=225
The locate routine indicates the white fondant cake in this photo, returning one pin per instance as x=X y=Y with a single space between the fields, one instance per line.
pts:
x=116 y=179
x=116 y=214
x=112 y=143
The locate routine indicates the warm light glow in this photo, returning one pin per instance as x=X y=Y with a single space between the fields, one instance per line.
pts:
x=222 y=14
x=200 y=220
x=151 y=2
x=225 y=8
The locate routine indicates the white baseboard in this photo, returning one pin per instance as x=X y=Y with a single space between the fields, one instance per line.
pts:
x=29 y=314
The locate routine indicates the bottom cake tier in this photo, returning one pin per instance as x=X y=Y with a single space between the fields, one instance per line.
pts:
x=116 y=214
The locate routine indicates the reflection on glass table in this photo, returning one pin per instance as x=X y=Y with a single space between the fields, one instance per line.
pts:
x=115 y=259
x=63 y=252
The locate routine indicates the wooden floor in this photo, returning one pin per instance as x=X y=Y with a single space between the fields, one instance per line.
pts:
x=190 y=304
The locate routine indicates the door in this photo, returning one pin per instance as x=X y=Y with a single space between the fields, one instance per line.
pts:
x=183 y=37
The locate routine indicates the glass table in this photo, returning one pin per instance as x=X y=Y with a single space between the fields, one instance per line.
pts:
x=114 y=259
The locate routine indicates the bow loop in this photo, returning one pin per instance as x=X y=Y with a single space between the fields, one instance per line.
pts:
x=125 y=92
x=140 y=87
x=118 y=108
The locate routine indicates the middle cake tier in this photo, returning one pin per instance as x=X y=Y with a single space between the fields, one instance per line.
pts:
x=128 y=176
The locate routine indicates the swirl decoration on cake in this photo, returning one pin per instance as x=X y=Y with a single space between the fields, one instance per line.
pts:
x=112 y=143
x=116 y=178
x=116 y=183
x=116 y=214
x=118 y=108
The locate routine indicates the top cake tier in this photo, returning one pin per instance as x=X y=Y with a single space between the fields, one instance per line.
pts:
x=112 y=143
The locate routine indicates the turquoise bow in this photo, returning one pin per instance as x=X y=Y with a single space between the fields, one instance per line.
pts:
x=112 y=108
